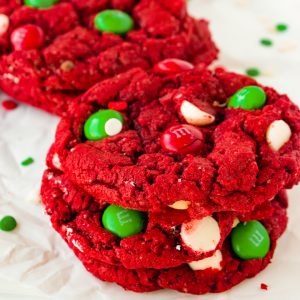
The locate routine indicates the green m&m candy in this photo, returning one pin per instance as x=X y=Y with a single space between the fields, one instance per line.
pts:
x=113 y=20
x=249 y=98
x=40 y=3
x=123 y=222
x=8 y=223
x=104 y=123
x=250 y=240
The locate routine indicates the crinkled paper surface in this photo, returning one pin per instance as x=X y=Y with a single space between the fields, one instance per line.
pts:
x=34 y=261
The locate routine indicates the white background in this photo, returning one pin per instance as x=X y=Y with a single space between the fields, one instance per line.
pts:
x=34 y=261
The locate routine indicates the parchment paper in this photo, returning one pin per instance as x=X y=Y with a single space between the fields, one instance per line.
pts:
x=34 y=261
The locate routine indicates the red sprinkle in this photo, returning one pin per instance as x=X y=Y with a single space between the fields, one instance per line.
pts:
x=264 y=286
x=9 y=105
x=118 y=105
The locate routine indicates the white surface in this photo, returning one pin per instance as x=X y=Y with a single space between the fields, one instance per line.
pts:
x=35 y=264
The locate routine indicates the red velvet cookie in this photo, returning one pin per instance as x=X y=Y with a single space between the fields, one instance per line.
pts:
x=65 y=51
x=136 y=262
x=77 y=217
x=177 y=145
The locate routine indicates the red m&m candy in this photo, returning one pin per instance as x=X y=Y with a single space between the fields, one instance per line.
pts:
x=27 y=37
x=172 y=66
x=183 y=139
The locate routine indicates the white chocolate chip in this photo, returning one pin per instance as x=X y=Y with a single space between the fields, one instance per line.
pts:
x=278 y=134
x=56 y=162
x=194 y=115
x=67 y=65
x=212 y=262
x=4 y=24
x=180 y=205
x=113 y=126
x=201 y=235
x=236 y=221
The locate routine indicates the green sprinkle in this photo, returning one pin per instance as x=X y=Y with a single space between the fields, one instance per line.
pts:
x=266 y=42
x=281 y=27
x=28 y=161
x=253 y=72
x=8 y=223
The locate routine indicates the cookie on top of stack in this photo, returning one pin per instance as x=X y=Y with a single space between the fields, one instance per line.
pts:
x=53 y=51
x=174 y=178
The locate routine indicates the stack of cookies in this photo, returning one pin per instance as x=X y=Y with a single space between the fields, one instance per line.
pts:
x=163 y=173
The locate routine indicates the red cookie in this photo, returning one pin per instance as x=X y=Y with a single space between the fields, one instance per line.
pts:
x=236 y=167
x=71 y=56
x=136 y=263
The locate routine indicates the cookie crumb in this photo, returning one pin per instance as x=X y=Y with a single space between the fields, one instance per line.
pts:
x=264 y=287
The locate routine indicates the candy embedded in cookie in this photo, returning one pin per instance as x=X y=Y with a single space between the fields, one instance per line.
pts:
x=102 y=124
x=4 y=24
x=114 y=21
x=42 y=4
x=250 y=98
x=194 y=115
x=201 y=235
x=250 y=240
x=213 y=262
x=123 y=222
x=172 y=66
x=117 y=105
x=180 y=205
x=183 y=139
x=278 y=134
x=27 y=37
